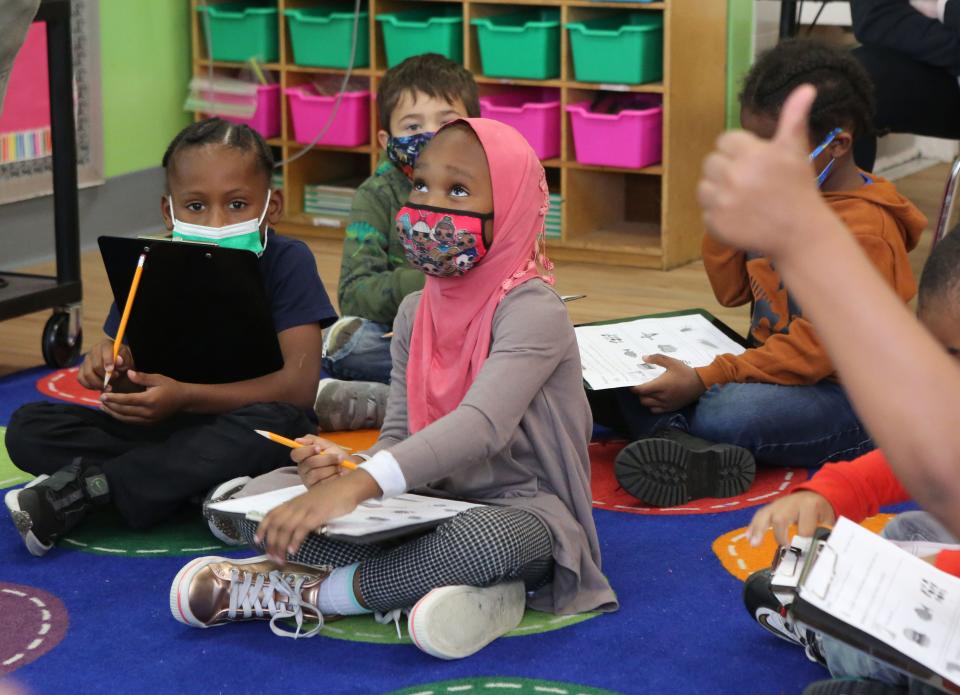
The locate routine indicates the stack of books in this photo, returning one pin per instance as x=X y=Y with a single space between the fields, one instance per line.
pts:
x=276 y=181
x=553 y=216
x=329 y=201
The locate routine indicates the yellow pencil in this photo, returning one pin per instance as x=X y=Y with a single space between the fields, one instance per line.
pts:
x=118 y=341
x=280 y=439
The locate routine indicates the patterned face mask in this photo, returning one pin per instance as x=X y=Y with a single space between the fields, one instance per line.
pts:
x=441 y=242
x=403 y=151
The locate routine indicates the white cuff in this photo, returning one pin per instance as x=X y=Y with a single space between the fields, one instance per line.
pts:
x=941 y=9
x=383 y=467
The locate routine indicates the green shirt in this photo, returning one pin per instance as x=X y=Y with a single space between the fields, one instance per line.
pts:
x=374 y=273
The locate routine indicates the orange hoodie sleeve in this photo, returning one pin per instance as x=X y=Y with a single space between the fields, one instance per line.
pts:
x=727 y=271
x=796 y=358
x=857 y=489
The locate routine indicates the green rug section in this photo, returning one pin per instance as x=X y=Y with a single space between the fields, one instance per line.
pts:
x=9 y=475
x=105 y=533
x=497 y=684
x=363 y=628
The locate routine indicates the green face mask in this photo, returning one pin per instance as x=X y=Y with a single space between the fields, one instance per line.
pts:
x=242 y=235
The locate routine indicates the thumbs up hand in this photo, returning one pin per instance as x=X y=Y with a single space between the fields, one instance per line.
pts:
x=755 y=192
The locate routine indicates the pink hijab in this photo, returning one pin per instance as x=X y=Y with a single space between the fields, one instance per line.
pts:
x=453 y=326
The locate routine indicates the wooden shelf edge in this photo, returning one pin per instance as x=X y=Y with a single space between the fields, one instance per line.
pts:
x=651 y=88
x=634 y=258
x=655 y=170
x=297 y=226
x=652 y=6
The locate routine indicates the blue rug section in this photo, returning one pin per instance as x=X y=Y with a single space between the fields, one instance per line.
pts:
x=17 y=389
x=682 y=627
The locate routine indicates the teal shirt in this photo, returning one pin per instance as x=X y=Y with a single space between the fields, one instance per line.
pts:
x=374 y=273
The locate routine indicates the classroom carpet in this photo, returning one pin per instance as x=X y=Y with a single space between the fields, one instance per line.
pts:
x=93 y=616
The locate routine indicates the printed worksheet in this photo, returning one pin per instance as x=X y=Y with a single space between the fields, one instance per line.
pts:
x=612 y=355
x=372 y=516
x=885 y=591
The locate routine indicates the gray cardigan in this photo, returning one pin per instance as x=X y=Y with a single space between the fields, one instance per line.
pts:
x=518 y=438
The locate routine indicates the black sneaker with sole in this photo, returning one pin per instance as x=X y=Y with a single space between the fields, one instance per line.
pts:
x=48 y=507
x=764 y=607
x=673 y=467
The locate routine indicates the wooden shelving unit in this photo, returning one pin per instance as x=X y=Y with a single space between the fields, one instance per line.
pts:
x=640 y=217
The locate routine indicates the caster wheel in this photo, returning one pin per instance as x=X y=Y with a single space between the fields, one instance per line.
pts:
x=58 y=351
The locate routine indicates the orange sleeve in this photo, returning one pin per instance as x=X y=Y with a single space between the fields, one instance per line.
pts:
x=857 y=489
x=794 y=358
x=727 y=271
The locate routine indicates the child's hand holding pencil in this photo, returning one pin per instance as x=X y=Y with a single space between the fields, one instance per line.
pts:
x=317 y=459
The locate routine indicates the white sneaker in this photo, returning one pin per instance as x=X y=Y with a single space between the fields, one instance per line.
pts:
x=22 y=520
x=220 y=526
x=456 y=621
x=350 y=405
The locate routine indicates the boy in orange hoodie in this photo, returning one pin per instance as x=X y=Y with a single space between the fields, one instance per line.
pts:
x=700 y=432
x=857 y=489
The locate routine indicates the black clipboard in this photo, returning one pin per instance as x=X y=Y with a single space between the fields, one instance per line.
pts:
x=720 y=325
x=201 y=313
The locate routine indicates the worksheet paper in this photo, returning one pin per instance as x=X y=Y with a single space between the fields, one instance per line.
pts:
x=372 y=516
x=612 y=354
x=885 y=591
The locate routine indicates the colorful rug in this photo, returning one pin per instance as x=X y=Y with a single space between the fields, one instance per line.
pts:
x=93 y=616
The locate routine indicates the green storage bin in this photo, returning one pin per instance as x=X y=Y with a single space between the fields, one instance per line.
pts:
x=532 y=35
x=321 y=36
x=620 y=48
x=429 y=30
x=240 y=31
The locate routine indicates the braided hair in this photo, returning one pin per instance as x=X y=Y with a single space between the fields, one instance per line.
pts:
x=218 y=131
x=844 y=90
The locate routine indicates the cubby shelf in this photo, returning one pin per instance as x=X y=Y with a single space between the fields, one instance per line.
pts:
x=642 y=217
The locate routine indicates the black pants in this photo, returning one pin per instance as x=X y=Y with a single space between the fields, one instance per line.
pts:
x=153 y=470
x=912 y=97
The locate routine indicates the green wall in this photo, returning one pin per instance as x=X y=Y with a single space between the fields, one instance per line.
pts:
x=145 y=57
x=739 y=53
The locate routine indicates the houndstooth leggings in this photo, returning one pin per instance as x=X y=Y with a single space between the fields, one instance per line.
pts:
x=479 y=547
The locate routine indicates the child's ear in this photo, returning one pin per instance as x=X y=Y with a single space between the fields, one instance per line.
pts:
x=382 y=137
x=275 y=207
x=165 y=212
x=841 y=145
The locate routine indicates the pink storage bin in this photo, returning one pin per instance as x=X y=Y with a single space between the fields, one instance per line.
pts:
x=310 y=111
x=534 y=112
x=632 y=138
x=266 y=118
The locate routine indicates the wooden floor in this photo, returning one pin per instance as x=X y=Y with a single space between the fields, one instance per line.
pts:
x=611 y=291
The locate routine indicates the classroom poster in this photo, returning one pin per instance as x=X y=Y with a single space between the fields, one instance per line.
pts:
x=25 y=148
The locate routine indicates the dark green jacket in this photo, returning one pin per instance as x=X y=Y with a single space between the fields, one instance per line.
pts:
x=374 y=273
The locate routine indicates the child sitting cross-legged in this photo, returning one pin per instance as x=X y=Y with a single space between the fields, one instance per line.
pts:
x=486 y=403
x=700 y=432
x=156 y=442
x=414 y=99
x=857 y=489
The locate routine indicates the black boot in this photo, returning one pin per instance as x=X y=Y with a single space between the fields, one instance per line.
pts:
x=673 y=467
x=48 y=507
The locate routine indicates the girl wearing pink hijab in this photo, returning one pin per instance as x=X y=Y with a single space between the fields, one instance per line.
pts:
x=486 y=404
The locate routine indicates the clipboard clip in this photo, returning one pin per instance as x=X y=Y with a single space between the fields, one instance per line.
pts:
x=820 y=550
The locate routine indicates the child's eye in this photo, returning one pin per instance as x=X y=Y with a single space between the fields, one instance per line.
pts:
x=459 y=191
x=237 y=205
x=194 y=207
x=419 y=186
x=413 y=127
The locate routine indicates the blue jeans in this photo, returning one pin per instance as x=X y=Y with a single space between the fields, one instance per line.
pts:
x=365 y=357
x=803 y=426
x=846 y=662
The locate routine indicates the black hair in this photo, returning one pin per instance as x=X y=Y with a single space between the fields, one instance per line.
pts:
x=941 y=273
x=218 y=131
x=433 y=75
x=844 y=89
